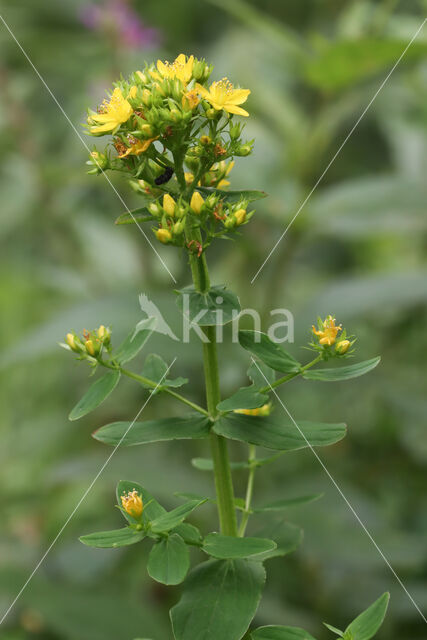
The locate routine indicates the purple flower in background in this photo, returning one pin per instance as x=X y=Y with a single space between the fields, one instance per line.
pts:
x=118 y=18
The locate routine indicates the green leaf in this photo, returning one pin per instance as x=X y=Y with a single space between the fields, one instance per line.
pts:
x=137 y=215
x=115 y=538
x=95 y=395
x=152 y=509
x=286 y=535
x=274 y=356
x=367 y=623
x=234 y=196
x=219 y=600
x=342 y=373
x=280 y=505
x=132 y=345
x=216 y=307
x=206 y=464
x=181 y=428
x=272 y=433
x=280 y=633
x=169 y=560
x=342 y=63
x=244 y=398
x=155 y=369
x=220 y=546
x=173 y=518
x=261 y=374
x=337 y=632
x=188 y=532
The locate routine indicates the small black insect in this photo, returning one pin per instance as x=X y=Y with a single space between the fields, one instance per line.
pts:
x=165 y=177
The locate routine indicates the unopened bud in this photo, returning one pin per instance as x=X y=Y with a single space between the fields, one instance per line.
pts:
x=90 y=348
x=142 y=77
x=178 y=228
x=342 y=346
x=240 y=216
x=196 y=203
x=146 y=97
x=243 y=150
x=169 y=205
x=205 y=140
x=69 y=339
x=154 y=209
x=163 y=235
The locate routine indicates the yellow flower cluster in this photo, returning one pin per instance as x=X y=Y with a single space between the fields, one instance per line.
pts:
x=327 y=333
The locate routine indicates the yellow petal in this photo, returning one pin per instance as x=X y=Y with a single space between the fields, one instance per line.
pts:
x=231 y=108
x=238 y=96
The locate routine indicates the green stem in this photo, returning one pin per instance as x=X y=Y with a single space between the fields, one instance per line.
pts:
x=219 y=449
x=290 y=376
x=150 y=383
x=249 y=490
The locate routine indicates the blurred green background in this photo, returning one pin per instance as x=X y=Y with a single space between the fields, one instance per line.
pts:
x=357 y=250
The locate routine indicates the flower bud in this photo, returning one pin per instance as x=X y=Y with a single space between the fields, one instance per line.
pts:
x=104 y=334
x=169 y=205
x=342 y=346
x=132 y=504
x=230 y=222
x=146 y=97
x=243 y=150
x=154 y=209
x=205 y=140
x=163 y=235
x=211 y=113
x=147 y=130
x=178 y=228
x=142 y=77
x=240 y=216
x=70 y=340
x=196 y=203
x=90 y=347
x=189 y=177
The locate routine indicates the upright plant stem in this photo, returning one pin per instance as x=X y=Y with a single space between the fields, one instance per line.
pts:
x=219 y=449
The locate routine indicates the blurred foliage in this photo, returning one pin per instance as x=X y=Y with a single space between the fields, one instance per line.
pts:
x=357 y=249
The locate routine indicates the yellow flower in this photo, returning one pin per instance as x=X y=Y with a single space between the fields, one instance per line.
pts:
x=342 y=346
x=261 y=411
x=196 y=202
x=328 y=332
x=189 y=177
x=222 y=95
x=138 y=147
x=132 y=504
x=181 y=68
x=163 y=235
x=169 y=205
x=113 y=113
